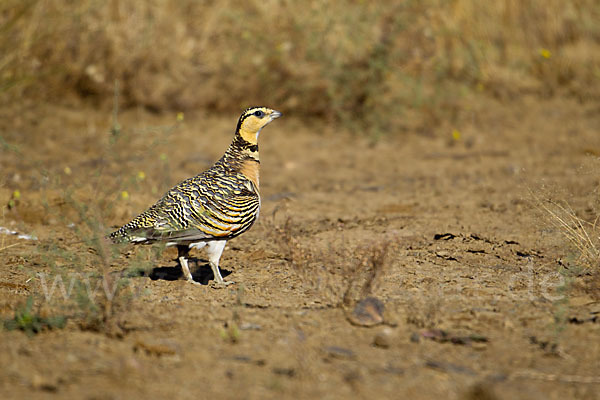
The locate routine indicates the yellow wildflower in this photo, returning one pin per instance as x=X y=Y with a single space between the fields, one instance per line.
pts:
x=545 y=53
x=455 y=134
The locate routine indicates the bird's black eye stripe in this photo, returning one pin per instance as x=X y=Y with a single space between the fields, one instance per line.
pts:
x=259 y=114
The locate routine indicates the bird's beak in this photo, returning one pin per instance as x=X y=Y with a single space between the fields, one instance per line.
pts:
x=275 y=114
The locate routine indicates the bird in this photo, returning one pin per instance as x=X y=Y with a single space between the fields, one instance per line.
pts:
x=209 y=209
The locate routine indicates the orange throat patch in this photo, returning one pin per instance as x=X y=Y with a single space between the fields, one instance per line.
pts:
x=250 y=170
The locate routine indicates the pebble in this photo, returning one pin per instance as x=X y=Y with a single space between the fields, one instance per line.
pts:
x=339 y=352
x=44 y=383
x=384 y=338
x=415 y=337
x=368 y=312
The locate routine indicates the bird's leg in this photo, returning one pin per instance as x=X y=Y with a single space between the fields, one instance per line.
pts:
x=182 y=253
x=214 y=250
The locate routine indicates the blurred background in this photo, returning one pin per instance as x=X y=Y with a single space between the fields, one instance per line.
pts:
x=386 y=66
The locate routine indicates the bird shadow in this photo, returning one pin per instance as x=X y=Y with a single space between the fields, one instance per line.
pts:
x=200 y=269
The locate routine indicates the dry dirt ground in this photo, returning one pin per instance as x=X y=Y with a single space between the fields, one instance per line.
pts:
x=483 y=297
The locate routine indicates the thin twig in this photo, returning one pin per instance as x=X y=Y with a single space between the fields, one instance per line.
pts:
x=9 y=246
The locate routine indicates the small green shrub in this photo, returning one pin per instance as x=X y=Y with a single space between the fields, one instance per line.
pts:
x=30 y=322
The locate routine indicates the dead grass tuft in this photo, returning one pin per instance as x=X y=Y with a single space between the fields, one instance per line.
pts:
x=581 y=231
x=582 y=234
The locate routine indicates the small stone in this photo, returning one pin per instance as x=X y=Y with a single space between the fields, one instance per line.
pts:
x=339 y=352
x=383 y=339
x=479 y=346
x=289 y=372
x=247 y=326
x=43 y=383
x=157 y=347
x=415 y=337
x=368 y=312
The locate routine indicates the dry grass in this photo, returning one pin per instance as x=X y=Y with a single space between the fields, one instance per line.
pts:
x=583 y=235
x=380 y=63
x=580 y=244
x=575 y=220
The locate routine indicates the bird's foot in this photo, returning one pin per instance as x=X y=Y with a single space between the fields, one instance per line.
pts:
x=193 y=282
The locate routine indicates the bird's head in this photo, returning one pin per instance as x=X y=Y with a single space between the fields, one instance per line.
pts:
x=253 y=120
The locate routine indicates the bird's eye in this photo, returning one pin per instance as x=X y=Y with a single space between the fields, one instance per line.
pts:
x=259 y=114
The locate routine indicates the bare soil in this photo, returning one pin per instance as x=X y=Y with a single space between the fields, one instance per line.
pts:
x=482 y=296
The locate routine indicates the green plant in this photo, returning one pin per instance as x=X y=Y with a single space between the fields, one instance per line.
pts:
x=30 y=322
x=82 y=266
